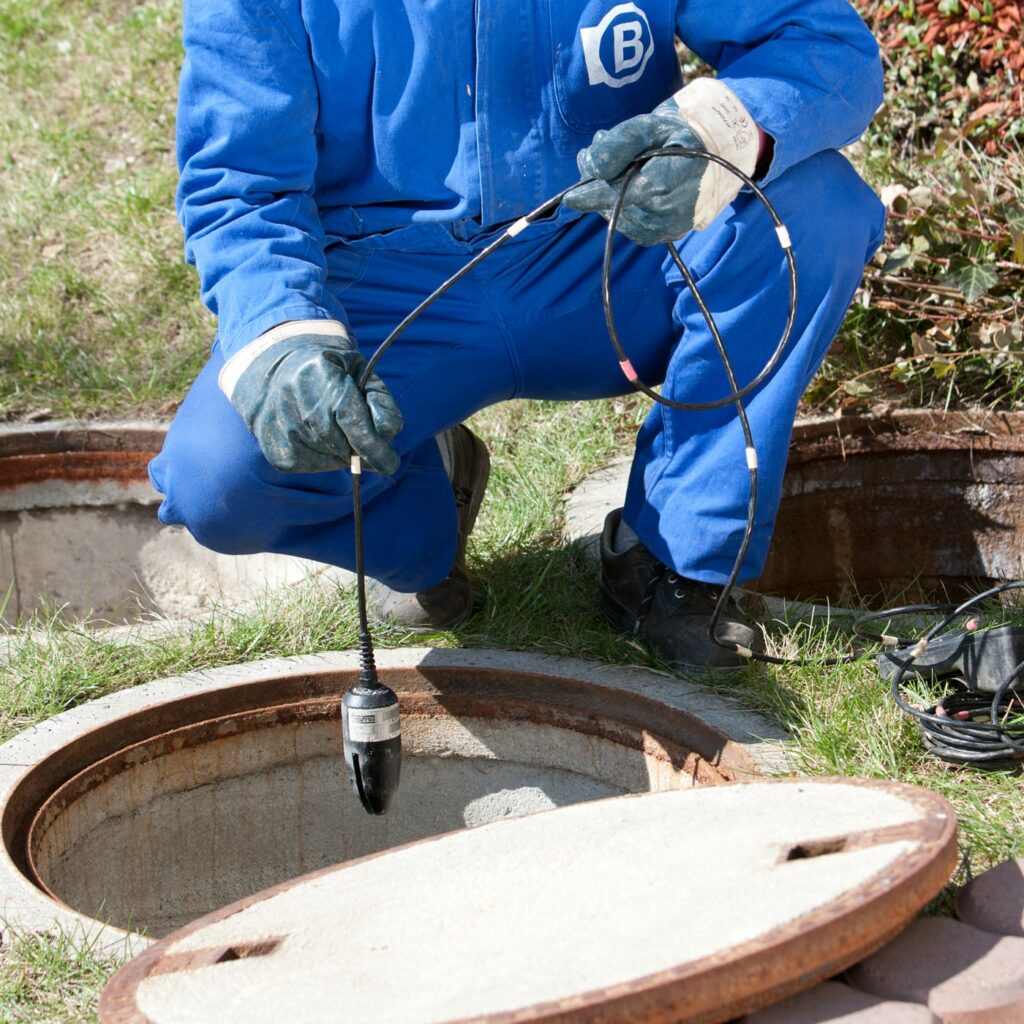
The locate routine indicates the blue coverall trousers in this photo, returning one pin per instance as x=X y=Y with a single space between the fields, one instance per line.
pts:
x=528 y=323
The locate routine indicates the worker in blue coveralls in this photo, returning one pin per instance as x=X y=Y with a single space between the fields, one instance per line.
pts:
x=341 y=158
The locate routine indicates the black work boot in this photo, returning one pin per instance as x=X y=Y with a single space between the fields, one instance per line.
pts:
x=671 y=614
x=446 y=604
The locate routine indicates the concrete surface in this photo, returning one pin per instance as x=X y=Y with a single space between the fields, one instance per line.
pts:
x=835 y=1003
x=584 y=902
x=187 y=829
x=587 y=505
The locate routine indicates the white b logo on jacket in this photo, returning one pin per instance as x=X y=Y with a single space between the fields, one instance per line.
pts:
x=618 y=47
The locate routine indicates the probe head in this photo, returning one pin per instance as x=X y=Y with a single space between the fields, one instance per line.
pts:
x=372 y=731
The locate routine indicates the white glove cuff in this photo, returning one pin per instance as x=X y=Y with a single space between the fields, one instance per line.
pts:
x=716 y=114
x=233 y=369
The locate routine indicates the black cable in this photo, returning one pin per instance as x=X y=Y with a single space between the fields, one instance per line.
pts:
x=736 y=396
x=965 y=727
x=606 y=292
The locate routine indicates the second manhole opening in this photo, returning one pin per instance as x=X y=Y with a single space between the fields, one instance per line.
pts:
x=79 y=535
x=880 y=510
x=877 y=510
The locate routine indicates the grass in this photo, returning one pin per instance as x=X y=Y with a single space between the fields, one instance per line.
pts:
x=98 y=310
x=50 y=978
x=99 y=314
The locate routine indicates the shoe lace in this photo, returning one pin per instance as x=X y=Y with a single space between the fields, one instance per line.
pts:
x=649 y=591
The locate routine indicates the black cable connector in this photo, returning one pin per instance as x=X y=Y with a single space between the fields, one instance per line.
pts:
x=370 y=719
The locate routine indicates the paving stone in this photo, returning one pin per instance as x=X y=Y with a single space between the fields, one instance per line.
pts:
x=994 y=901
x=587 y=506
x=962 y=974
x=835 y=1003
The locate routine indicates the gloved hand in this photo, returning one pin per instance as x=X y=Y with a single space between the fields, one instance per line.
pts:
x=670 y=195
x=295 y=387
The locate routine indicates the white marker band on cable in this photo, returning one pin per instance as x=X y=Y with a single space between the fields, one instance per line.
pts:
x=518 y=227
x=357 y=465
x=744 y=652
x=751 y=458
x=784 y=240
x=920 y=647
x=890 y=641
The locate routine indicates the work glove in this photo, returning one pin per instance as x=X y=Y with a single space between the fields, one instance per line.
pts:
x=295 y=387
x=670 y=195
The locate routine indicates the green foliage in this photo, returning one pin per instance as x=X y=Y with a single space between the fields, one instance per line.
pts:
x=939 y=317
x=51 y=979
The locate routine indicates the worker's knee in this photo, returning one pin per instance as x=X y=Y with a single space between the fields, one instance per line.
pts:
x=829 y=210
x=214 y=497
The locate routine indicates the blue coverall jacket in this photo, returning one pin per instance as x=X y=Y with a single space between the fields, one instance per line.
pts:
x=304 y=119
x=342 y=158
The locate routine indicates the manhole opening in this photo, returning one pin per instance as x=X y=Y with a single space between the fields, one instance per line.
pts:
x=158 y=818
x=893 y=510
x=79 y=535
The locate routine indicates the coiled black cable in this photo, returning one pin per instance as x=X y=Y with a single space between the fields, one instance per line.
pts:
x=964 y=727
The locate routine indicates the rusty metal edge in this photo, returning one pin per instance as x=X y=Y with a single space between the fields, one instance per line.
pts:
x=63 y=436
x=76 y=467
x=1005 y=429
x=762 y=970
x=667 y=746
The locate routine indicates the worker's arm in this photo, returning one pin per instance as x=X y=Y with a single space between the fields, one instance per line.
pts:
x=795 y=78
x=806 y=71
x=247 y=154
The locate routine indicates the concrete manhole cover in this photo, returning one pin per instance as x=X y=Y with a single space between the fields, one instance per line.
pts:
x=672 y=906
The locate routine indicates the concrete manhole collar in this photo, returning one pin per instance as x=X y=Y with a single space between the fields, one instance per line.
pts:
x=152 y=806
x=79 y=533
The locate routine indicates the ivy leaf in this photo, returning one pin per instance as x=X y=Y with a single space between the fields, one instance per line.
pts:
x=975 y=280
x=942 y=367
x=857 y=388
x=897 y=258
x=1014 y=216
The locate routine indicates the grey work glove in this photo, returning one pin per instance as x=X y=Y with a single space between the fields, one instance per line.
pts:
x=295 y=387
x=670 y=195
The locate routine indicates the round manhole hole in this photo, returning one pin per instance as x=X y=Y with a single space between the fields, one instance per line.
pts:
x=879 y=510
x=150 y=818
x=79 y=533
x=912 y=506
